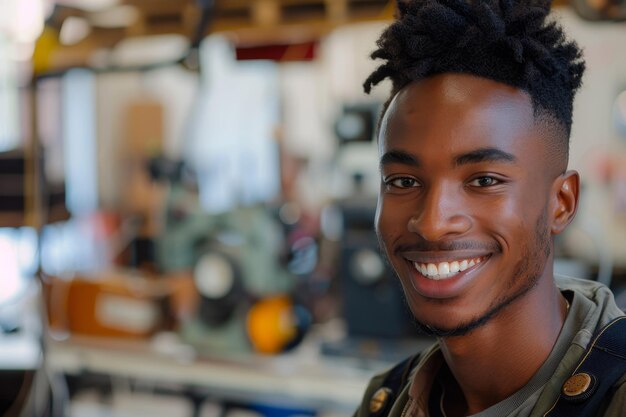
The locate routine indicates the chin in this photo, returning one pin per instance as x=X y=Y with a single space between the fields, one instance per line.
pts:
x=436 y=317
x=461 y=328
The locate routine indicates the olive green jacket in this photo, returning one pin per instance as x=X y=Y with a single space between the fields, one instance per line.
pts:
x=592 y=307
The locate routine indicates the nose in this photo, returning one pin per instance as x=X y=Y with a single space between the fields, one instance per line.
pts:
x=441 y=214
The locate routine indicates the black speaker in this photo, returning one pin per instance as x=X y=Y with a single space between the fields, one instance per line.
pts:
x=373 y=301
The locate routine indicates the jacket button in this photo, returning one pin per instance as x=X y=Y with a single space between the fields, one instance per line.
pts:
x=577 y=385
x=379 y=400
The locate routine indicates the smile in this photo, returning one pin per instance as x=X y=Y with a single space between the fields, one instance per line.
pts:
x=446 y=270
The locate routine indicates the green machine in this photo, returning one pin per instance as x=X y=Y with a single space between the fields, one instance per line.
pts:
x=235 y=257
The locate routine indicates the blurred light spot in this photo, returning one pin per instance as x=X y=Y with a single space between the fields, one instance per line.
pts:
x=11 y=282
x=22 y=52
x=88 y=5
x=74 y=30
x=115 y=17
x=28 y=20
x=290 y=213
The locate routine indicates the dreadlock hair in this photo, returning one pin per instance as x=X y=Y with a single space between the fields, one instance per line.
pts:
x=508 y=41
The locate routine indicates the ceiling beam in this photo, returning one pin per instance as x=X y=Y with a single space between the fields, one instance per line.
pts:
x=247 y=22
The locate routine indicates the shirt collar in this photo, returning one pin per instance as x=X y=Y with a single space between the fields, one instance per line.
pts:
x=422 y=378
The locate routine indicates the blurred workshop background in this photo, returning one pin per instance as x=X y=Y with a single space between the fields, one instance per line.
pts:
x=187 y=190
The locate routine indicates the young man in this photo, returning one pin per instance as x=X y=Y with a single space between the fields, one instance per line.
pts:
x=473 y=158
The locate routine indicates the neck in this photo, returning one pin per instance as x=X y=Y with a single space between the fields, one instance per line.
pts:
x=494 y=361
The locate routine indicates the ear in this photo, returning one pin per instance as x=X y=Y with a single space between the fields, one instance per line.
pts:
x=564 y=200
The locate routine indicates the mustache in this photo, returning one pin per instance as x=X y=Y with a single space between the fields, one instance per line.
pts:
x=448 y=246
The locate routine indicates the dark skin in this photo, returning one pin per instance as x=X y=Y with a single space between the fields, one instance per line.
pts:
x=470 y=174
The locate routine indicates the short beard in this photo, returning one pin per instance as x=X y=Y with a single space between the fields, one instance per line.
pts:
x=529 y=268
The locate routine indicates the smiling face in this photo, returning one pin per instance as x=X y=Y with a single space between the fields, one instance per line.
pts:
x=467 y=201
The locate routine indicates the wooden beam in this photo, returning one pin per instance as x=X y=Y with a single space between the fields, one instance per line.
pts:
x=337 y=10
x=247 y=22
x=266 y=13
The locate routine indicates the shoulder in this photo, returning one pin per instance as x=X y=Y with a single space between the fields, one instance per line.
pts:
x=376 y=383
x=616 y=405
x=597 y=384
x=593 y=306
x=383 y=390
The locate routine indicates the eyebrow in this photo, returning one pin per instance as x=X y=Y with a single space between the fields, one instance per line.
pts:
x=399 y=157
x=473 y=157
x=484 y=155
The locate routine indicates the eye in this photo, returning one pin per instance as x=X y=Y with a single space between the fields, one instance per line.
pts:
x=402 y=182
x=485 y=181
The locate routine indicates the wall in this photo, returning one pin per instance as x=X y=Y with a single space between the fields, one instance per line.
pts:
x=600 y=226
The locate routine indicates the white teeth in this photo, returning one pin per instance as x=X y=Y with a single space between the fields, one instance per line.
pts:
x=445 y=269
